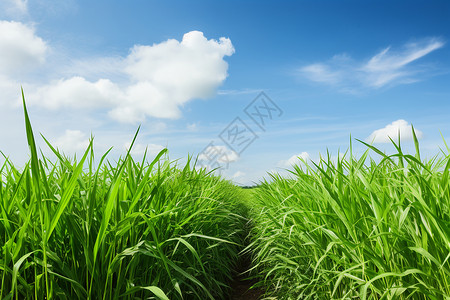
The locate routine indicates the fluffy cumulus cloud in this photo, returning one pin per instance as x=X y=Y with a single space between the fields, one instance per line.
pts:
x=20 y=48
x=169 y=74
x=21 y=51
x=160 y=79
x=392 y=131
x=153 y=81
x=72 y=141
x=76 y=92
x=294 y=159
x=386 y=68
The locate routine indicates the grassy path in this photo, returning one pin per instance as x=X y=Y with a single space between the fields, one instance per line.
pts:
x=242 y=285
x=348 y=229
x=356 y=228
x=90 y=229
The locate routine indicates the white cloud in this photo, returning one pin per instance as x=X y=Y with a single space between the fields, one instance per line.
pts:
x=238 y=174
x=157 y=126
x=169 y=74
x=294 y=159
x=20 y=48
x=392 y=130
x=15 y=8
x=192 y=127
x=239 y=92
x=10 y=91
x=321 y=73
x=160 y=79
x=139 y=149
x=216 y=157
x=220 y=154
x=21 y=5
x=72 y=141
x=77 y=92
x=385 y=68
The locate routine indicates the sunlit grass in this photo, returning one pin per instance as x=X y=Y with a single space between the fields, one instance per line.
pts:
x=352 y=228
x=77 y=229
x=356 y=229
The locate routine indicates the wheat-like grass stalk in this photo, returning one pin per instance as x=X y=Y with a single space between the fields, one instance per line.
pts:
x=356 y=229
x=81 y=229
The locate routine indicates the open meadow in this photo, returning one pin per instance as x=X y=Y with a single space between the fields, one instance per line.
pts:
x=225 y=150
x=346 y=229
x=356 y=229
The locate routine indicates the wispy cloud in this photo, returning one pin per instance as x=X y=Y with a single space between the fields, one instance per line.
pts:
x=239 y=92
x=238 y=174
x=14 y=8
x=389 y=67
x=192 y=127
x=322 y=73
x=393 y=130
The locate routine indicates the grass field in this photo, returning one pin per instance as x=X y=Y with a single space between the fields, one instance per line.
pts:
x=351 y=229
x=356 y=229
x=128 y=230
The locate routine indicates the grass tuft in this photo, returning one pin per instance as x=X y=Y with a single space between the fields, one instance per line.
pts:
x=356 y=229
x=131 y=230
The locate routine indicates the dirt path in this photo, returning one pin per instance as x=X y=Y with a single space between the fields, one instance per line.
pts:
x=241 y=290
x=241 y=284
x=240 y=287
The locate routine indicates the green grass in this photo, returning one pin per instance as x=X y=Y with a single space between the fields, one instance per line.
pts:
x=356 y=229
x=348 y=229
x=128 y=230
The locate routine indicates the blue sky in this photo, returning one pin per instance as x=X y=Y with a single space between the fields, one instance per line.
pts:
x=185 y=70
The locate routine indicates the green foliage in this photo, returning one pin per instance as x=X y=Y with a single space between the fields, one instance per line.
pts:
x=356 y=229
x=132 y=230
x=349 y=229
